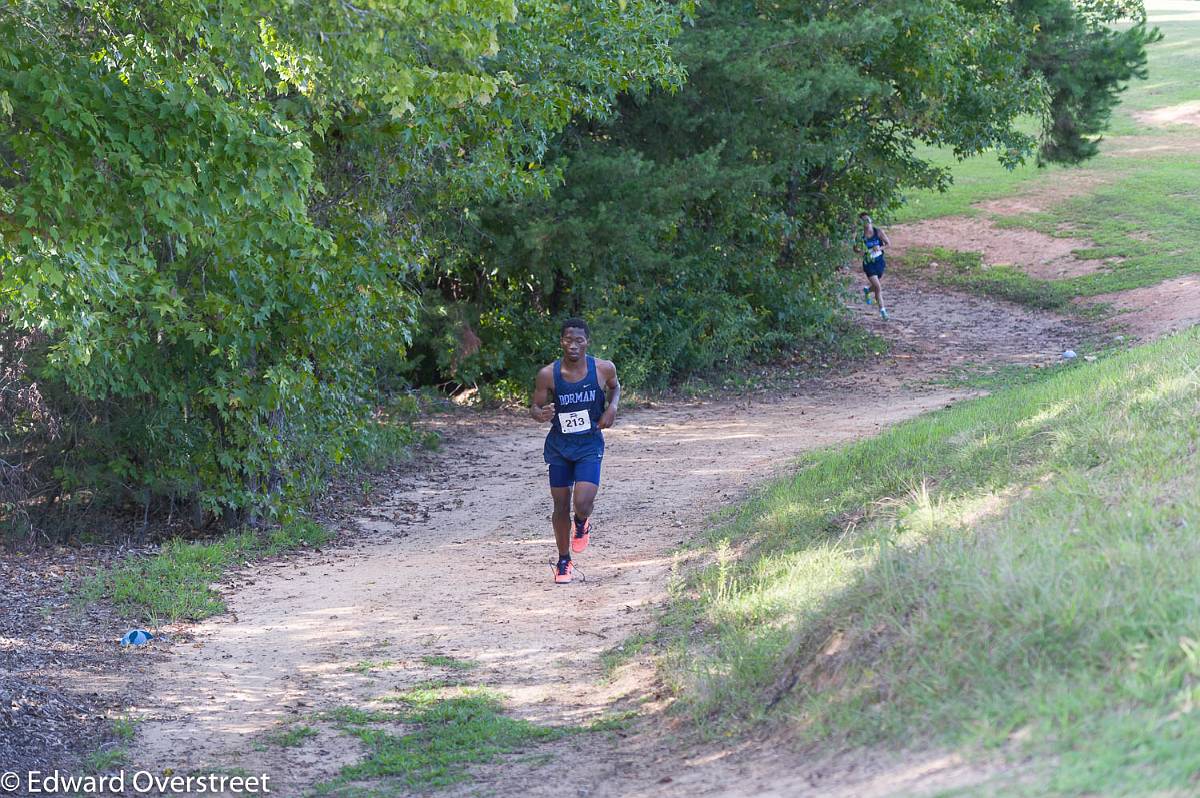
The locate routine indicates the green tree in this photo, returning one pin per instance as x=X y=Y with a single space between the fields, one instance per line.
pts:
x=1085 y=62
x=215 y=213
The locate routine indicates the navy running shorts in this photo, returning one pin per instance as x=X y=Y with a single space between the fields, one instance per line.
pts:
x=565 y=473
x=874 y=268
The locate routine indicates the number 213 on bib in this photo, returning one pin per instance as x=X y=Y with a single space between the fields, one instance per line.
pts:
x=579 y=421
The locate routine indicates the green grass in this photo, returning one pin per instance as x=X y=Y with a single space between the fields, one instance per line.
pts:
x=436 y=733
x=1149 y=218
x=365 y=667
x=616 y=721
x=453 y=663
x=174 y=583
x=1144 y=223
x=976 y=179
x=1146 y=226
x=425 y=691
x=293 y=737
x=124 y=728
x=448 y=733
x=353 y=716
x=617 y=656
x=1173 y=64
x=105 y=759
x=1023 y=562
x=966 y=270
x=995 y=376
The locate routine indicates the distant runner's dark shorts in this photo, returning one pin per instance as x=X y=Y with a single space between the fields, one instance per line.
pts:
x=874 y=268
x=564 y=473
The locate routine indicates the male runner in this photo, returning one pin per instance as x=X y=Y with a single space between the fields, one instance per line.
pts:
x=874 y=241
x=571 y=392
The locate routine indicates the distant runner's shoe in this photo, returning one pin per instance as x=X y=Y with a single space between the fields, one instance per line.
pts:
x=564 y=571
x=883 y=314
x=867 y=294
x=583 y=534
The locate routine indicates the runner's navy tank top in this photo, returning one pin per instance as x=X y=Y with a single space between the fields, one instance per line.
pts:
x=870 y=243
x=577 y=407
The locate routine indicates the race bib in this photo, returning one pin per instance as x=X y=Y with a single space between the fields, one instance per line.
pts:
x=876 y=252
x=579 y=421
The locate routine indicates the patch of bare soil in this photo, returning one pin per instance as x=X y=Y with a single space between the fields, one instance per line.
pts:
x=1037 y=254
x=1138 y=146
x=1156 y=310
x=456 y=563
x=1183 y=114
x=62 y=676
x=1044 y=196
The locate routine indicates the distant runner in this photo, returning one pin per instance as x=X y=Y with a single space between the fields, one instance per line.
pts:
x=572 y=391
x=874 y=241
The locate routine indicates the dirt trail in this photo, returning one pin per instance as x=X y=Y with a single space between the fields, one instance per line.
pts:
x=1183 y=114
x=1146 y=313
x=1037 y=254
x=1156 y=310
x=456 y=563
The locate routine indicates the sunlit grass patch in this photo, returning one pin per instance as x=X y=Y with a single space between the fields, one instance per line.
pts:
x=1026 y=561
x=293 y=737
x=442 y=731
x=966 y=270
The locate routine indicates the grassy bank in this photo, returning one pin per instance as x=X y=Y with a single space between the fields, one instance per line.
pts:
x=1020 y=570
x=1144 y=225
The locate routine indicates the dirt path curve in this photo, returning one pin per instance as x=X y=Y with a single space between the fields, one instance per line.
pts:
x=457 y=565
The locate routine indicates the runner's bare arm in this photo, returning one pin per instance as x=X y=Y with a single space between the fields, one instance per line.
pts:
x=542 y=409
x=883 y=239
x=612 y=387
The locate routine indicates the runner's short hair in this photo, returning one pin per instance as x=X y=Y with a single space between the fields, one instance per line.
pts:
x=578 y=324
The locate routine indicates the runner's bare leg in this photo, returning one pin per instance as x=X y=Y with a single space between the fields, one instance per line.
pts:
x=562 y=520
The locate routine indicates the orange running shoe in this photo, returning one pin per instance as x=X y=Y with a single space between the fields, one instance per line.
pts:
x=583 y=534
x=564 y=571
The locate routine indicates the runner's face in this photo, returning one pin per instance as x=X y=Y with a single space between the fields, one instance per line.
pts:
x=574 y=344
